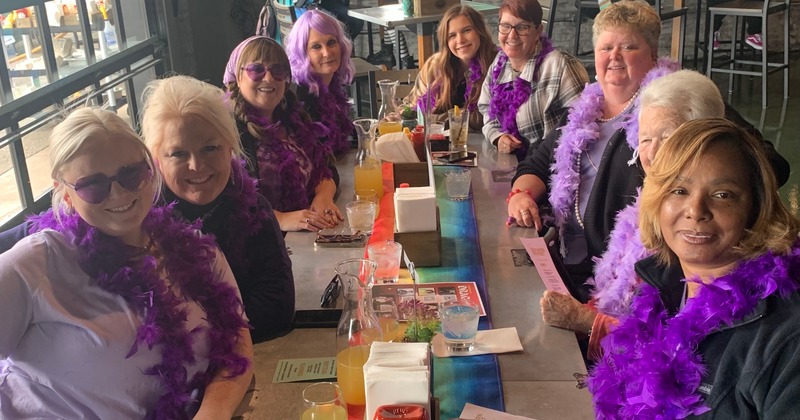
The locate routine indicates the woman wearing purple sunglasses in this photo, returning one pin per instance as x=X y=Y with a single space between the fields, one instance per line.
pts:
x=287 y=156
x=115 y=309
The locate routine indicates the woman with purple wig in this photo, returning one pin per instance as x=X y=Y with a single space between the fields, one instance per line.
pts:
x=319 y=54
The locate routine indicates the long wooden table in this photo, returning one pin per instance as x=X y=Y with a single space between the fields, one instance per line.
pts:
x=537 y=383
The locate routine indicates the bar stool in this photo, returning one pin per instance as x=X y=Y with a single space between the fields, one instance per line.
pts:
x=749 y=8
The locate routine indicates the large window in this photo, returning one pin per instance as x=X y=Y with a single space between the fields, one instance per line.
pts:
x=59 y=55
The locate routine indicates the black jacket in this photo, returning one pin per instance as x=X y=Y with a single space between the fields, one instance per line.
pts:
x=754 y=365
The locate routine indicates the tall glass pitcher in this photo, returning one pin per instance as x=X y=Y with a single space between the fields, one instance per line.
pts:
x=367 y=172
x=388 y=115
x=358 y=328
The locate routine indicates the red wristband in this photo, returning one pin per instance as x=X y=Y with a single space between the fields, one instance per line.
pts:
x=517 y=191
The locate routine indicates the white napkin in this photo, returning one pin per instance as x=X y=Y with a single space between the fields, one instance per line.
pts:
x=415 y=209
x=395 y=147
x=397 y=373
x=501 y=340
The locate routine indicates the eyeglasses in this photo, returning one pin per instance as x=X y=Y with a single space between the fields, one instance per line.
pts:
x=521 y=28
x=257 y=71
x=96 y=188
x=331 y=293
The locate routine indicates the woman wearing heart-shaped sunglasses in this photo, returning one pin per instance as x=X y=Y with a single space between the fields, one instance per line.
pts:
x=113 y=308
x=286 y=154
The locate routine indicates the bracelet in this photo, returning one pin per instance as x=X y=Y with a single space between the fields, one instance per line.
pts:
x=517 y=191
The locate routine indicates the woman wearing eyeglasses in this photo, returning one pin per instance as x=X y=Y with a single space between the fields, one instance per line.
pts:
x=116 y=309
x=293 y=166
x=455 y=75
x=319 y=53
x=194 y=140
x=529 y=85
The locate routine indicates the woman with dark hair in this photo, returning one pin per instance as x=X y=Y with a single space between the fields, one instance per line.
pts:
x=529 y=85
x=116 y=309
x=319 y=54
x=714 y=329
x=293 y=166
x=454 y=75
x=195 y=142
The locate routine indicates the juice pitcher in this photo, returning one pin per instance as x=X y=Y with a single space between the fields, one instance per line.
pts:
x=367 y=172
x=358 y=328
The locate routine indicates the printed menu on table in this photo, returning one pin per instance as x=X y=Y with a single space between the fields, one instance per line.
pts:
x=401 y=296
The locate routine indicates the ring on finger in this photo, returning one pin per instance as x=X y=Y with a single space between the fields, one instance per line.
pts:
x=328 y=212
x=308 y=221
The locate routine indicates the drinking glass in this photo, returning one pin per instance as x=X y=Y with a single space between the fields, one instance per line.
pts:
x=323 y=401
x=459 y=128
x=368 y=194
x=387 y=255
x=361 y=215
x=459 y=324
x=457 y=182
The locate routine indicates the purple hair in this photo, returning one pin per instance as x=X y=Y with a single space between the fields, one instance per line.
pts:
x=297 y=43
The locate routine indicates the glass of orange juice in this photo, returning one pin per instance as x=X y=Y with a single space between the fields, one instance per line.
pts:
x=350 y=375
x=323 y=401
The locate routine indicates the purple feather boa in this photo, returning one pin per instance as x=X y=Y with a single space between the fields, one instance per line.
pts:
x=473 y=77
x=579 y=133
x=334 y=113
x=296 y=189
x=132 y=273
x=614 y=277
x=651 y=367
x=506 y=98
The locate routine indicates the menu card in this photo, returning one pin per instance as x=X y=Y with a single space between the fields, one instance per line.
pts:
x=429 y=294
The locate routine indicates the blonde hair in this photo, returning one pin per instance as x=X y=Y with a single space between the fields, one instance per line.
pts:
x=635 y=15
x=179 y=97
x=771 y=228
x=71 y=133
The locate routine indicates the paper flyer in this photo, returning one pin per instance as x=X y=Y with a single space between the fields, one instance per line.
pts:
x=540 y=255
x=298 y=370
x=430 y=294
x=474 y=412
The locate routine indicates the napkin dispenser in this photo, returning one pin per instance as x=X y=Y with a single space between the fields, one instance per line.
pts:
x=397 y=373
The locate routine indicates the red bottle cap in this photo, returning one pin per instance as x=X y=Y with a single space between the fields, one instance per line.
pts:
x=401 y=411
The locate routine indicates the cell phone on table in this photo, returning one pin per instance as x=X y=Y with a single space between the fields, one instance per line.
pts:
x=456 y=157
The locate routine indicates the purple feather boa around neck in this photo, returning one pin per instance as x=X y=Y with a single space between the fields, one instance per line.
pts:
x=581 y=131
x=296 y=189
x=614 y=277
x=134 y=274
x=507 y=98
x=473 y=76
x=651 y=367
x=334 y=113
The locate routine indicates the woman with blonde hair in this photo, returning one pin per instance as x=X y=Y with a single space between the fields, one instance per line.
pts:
x=715 y=323
x=454 y=75
x=194 y=139
x=294 y=167
x=115 y=309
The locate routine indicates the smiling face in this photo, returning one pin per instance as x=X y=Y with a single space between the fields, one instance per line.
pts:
x=194 y=160
x=324 y=53
x=707 y=211
x=517 y=46
x=622 y=58
x=655 y=125
x=462 y=38
x=122 y=212
x=266 y=92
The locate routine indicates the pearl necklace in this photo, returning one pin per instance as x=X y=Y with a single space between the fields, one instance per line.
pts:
x=624 y=109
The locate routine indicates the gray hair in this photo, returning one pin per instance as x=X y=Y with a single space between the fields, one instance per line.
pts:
x=70 y=134
x=687 y=93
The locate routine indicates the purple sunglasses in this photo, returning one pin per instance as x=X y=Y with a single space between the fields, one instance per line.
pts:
x=96 y=188
x=257 y=71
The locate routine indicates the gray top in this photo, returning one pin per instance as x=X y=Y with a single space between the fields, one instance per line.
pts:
x=63 y=340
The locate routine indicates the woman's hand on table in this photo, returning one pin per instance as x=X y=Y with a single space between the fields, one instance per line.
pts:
x=302 y=220
x=508 y=144
x=327 y=208
x=523 y=209
x=564 y=311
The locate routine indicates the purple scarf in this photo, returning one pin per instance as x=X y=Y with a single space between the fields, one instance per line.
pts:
x=580 y=132
x=296 y=189
x=506 y=98
x=335 y=115
x=651 y=367
x=614 y=277
x=134 y=274
x=472 y=77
